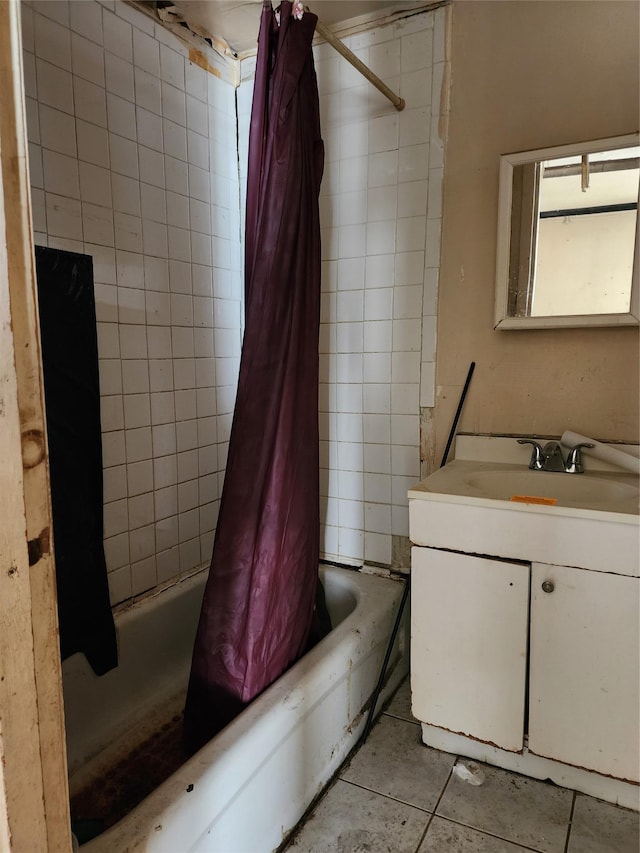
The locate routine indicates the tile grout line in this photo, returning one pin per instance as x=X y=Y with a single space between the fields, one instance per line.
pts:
x=488 y=834
x=475 y=828
x=573 y=806
x=435 y=808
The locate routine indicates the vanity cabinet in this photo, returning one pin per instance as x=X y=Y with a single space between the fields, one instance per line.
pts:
x=584 y=669
x=503 y=649
x=469 y=644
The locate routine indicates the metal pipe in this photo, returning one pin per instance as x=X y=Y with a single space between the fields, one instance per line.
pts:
x=350 y=56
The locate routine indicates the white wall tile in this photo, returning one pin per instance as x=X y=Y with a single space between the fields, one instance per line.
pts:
x=143 y=576
x=378 y=303
x=407 y=301
x=87 y=59
x=135 y=380
x=404 y=399
x=181 y=354
x=377 y=488
x=121 y=116
x=26 y=24
x=166 y=534
x=383 y=133
x=126 y=194
x=407 y=335
x=156 y=274
x=415 y=126
x=52 y=41
x=172 y=67
x=383 y=169
x=116 y=518
x=149 y=129
x=377 y=367
x=38 y=207
x=117 y=36
x=116 y=551
x=382 y=203
x=123 y=155
x=427 y=384
x=95 y=184
x=377 y=336
x=111 y=413
x=415 y=52
x=154 y=237
x=97 y=224
x=142 y=536
x=57 y=131
x=60 y=175
x=86 y=19
x=151 y=166
x=377 y=548
x=173 y=104
x=119 y=77
x=64 y=215
x=138 y=444
x=377 y=459
x=146 y=52
x=137 y=411
x=115 y=483
x=159 y=339
x=413 y=163
x=415 y=88
x=147 y=91
x=113 y=448
x=381 y=238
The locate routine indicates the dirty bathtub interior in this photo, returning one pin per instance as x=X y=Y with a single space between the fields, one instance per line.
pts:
x=130 y=785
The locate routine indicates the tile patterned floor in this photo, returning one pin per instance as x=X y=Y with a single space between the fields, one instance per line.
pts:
x=398 y=796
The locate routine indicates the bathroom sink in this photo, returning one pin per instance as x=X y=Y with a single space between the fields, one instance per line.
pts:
x=599 y=490
x=570 y=489
x=488 y=501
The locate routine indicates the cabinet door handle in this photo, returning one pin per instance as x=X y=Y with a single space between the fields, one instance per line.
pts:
x=547 y=586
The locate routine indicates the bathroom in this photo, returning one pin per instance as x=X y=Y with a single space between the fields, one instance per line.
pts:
x=167 y=403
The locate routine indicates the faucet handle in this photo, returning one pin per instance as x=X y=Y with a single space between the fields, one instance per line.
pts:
x=574 y=459
x=537 y=462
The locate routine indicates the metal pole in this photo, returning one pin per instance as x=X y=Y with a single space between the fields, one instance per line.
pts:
x=350 y=56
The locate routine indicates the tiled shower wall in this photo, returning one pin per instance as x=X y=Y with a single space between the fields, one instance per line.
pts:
x=133 y=160
x=380 y=214
x=380 y=209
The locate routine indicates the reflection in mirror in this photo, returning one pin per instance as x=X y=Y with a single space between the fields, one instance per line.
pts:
x=567 y=236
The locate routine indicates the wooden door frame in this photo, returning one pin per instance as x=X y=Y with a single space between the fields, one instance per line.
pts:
x=34 y=793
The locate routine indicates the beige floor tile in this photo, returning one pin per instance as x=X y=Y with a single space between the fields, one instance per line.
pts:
x=394 y=762
x=400 y=705
x=524 y=811
x=350 y=819
x=599 y=827
x=444 y=835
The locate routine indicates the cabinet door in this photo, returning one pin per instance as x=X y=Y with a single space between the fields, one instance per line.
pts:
x=584 y=698
x=469 y=644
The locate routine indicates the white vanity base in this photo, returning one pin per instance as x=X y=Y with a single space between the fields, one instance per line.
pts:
x=594 y=784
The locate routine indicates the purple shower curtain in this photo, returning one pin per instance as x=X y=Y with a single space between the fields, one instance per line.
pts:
x=259 y=603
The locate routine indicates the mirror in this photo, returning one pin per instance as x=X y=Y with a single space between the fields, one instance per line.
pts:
x=568 y=236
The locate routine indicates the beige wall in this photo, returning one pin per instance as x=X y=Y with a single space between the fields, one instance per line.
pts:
x=527 y=75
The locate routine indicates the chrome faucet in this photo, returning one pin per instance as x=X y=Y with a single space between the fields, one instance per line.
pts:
x=573 y=465
x=549 y=457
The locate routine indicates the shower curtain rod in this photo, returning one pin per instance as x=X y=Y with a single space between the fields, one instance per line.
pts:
x=350 y=56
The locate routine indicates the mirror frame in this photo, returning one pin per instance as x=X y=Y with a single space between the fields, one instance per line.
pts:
x=502 y=319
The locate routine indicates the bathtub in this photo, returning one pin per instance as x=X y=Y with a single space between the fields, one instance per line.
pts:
x=245 y=790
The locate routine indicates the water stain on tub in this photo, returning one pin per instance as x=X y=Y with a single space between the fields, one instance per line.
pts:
x=118 y=788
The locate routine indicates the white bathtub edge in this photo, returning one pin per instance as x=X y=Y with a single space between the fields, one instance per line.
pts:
x=221 y=771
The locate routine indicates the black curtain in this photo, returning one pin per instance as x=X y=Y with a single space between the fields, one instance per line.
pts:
x=72 y=397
